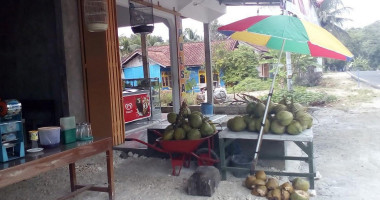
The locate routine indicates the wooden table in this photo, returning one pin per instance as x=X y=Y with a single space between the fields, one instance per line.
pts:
x=304 y=141
x=36 y=163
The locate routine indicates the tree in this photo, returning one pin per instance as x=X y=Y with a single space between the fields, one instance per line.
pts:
x=153 y=40
x=330 y=16
x=190 y=35
x=124 y=45
x=238 y=64
x=214 y=34
x=360 y=64
x=130 y=44
x=365 y=44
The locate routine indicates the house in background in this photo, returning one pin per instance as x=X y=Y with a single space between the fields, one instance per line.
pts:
x=159 y=63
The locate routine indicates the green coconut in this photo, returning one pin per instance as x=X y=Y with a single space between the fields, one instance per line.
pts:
x=297 y=107
x=279 y=107
x=252 y=125
x=172 y=117
x=250 y=108
x=299 y=195
x=284 y=117
x=195 y=120
x=294 y=128
x=206 y=129
x=186 y=127
x=229 y=123
x=170 y=127
x=179 y=134
x=301 y=184
x=186 y=111
x=168 y=134
x=212 y=125
x=259 y=110
x=305 y=119
x=237 y=124
x=194 y=134
x=247 y=119
x=266 y=126
x=270 y=107
x=198 y=113
x=276 y=127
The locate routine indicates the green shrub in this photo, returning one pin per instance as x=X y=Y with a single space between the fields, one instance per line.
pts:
x=166 y=98
x=310 y=78
x=302 y=96
x=250 y=84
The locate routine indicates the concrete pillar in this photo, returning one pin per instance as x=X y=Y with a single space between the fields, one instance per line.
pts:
x=73 y=61
x=209 y=74
x=173 y=44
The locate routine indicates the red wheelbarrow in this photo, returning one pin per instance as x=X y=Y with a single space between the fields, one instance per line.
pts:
x=181 y=151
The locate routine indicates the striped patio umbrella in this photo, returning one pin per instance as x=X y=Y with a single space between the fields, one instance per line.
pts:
x=300 y=36
x=285 y=33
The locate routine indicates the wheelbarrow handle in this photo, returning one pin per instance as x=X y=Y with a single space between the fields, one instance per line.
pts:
x=156 y=132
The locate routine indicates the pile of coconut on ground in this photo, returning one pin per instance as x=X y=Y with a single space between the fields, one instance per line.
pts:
x=269 y=187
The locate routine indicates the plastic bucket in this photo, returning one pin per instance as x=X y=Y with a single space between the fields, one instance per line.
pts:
x=49 y=136
x=207 y=109
x=241 y=161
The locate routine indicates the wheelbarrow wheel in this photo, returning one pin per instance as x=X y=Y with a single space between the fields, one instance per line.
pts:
x=203 y=153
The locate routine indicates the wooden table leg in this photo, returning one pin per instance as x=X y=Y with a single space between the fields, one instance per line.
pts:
x=73 y=176
x=111 y=189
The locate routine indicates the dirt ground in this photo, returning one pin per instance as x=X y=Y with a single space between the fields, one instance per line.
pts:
x=347 y=156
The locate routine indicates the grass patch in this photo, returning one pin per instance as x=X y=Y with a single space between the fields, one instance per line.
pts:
x=360 y=95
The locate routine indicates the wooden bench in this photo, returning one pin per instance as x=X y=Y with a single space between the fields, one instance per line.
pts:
x=304 y=141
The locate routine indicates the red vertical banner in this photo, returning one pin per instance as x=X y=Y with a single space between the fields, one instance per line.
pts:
x=181 y=57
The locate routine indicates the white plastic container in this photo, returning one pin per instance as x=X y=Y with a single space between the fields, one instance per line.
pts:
x=49 y=136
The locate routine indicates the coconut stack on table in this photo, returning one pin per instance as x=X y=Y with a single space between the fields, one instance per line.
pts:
x=188 y=125
x=291 y=118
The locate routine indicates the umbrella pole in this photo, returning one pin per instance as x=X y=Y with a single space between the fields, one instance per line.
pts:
x=260 y=138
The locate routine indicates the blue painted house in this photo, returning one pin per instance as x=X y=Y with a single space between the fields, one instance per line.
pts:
x=159 y=64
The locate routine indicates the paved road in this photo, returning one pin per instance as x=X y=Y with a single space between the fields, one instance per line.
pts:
x=370 y=77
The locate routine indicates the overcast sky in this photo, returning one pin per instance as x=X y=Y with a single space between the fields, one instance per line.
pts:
x=364 y=13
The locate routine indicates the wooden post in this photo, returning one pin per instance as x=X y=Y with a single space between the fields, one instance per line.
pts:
x=144 y=55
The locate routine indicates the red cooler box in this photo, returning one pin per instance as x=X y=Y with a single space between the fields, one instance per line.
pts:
x=136 y=105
